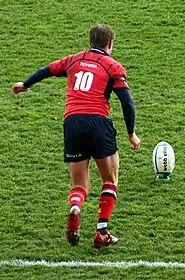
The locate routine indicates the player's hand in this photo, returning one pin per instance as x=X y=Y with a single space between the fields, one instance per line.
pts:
x=135 y=141
x=18 y=87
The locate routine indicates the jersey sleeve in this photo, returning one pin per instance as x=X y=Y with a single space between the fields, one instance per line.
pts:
x=59 y=67
x=118 y=75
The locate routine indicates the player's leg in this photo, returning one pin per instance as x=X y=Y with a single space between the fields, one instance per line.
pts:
x=79 y=174
x=107 y=159
x=108 y=168
x=78 y=161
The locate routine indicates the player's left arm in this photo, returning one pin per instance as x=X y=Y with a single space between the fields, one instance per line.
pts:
x=128 y=108
x=56 y=68
x=121 y=88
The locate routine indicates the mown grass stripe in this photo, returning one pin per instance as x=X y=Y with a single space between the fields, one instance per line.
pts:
x=25 y=263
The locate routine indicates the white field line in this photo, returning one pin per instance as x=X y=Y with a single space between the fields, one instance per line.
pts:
x=125 y=264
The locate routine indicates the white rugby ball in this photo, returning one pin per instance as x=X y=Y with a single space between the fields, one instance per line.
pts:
x=163 y=159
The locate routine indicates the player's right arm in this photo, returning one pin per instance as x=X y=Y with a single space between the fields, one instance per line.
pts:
x=36 y=77
x=56 y=68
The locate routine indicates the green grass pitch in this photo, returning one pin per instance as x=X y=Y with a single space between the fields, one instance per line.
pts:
x=149 y=218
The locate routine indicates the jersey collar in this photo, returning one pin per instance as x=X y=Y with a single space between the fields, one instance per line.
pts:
x=98 y=50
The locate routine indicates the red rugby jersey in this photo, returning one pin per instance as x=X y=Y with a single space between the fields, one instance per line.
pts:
x=91 y=77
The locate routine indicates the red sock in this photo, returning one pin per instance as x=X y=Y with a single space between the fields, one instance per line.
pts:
x=77 y=196
x=107 y=201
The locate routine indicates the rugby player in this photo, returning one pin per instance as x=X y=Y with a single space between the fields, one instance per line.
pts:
x=88 y=131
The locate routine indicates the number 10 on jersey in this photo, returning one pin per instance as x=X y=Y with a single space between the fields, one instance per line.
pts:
x=83 y=81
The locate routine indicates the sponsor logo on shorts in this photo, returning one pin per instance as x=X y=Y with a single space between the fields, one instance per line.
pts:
x=73 y=156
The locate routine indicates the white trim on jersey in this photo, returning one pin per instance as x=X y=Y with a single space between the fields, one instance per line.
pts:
x=97 y=50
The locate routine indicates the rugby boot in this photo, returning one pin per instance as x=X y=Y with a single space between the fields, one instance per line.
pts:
x=103 y=240
x=73 y=225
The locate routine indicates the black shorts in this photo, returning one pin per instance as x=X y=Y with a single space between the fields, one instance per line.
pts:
x=87 y=136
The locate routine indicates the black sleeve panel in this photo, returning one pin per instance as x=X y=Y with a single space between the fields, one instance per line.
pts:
x=37 y=76
x=128 y=107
